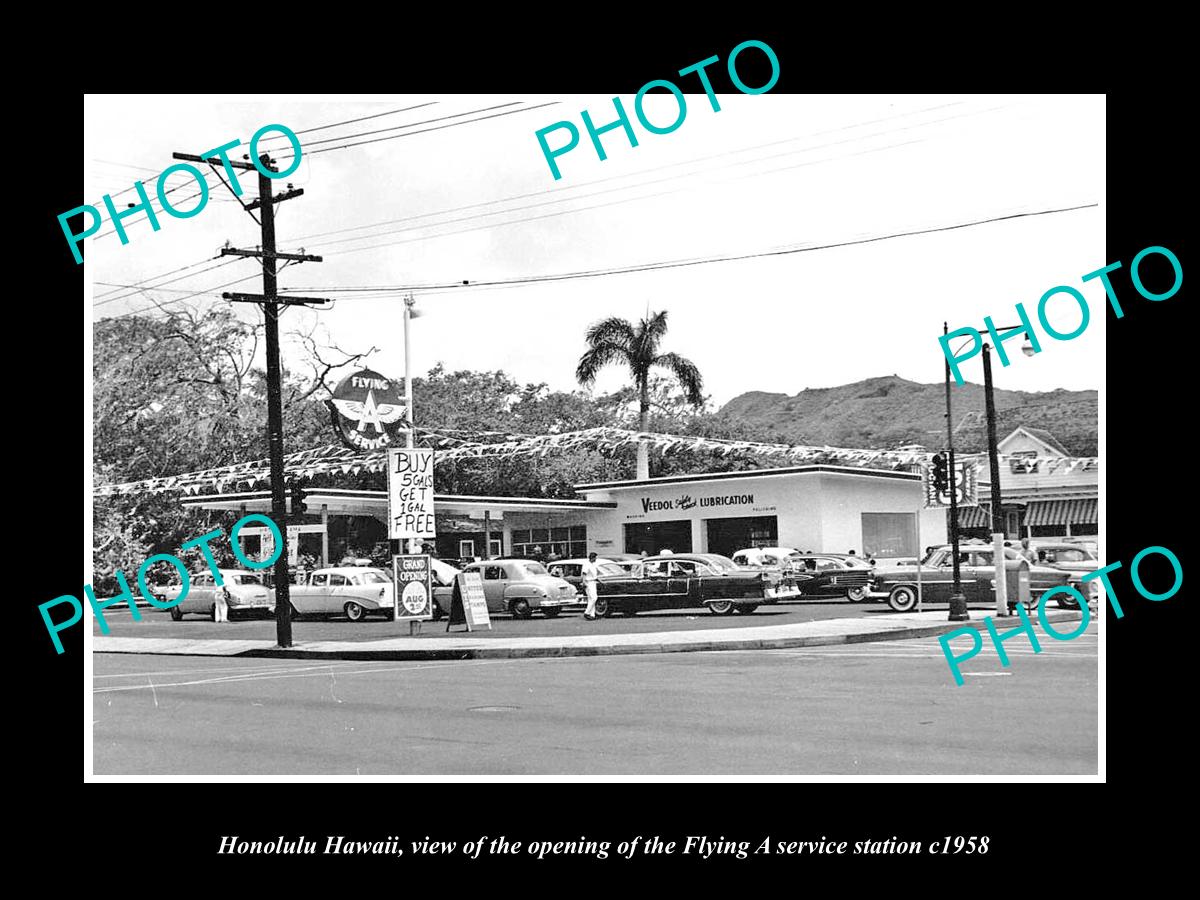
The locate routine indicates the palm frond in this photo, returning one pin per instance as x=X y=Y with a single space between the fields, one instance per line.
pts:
x=687 y=374
x=597 y=357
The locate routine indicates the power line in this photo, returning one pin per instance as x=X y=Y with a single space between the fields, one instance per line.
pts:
x=575 y=187
x=160 y=286
x=161 y=275
x=435 y=128
x=391 y=112
x=211 y=290
x=347 y=137
x=673 y=264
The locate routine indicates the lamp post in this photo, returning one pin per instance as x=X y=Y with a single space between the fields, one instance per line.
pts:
x=410 y=312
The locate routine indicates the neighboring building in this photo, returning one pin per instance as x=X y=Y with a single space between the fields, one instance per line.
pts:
x=1040 y=497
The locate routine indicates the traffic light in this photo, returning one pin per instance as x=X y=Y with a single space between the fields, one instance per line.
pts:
x=940 y=470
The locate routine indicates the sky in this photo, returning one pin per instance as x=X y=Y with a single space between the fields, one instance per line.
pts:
x=477 y=201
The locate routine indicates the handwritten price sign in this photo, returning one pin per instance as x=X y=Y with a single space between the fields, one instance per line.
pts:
x=410 y=494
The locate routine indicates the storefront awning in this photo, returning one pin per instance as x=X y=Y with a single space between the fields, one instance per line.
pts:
x=1061 y=512
x=974 y=517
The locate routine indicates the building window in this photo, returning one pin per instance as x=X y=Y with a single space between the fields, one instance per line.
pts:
x=466 y=549
x=889 y=534
x=565 y=542
x=1024 y=462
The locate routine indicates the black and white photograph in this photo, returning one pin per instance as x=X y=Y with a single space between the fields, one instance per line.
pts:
x=703 y=432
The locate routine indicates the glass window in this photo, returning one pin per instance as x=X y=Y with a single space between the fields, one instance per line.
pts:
x=521 y=537
x=540 y=535
x=247 y=578
x=493 y=573
x=889 y=534
x=532 y=568
x=373 y=576
x=578 y=548
x=338 y=580
x=560 y=534
x=610 y=569
x=321 y=579
x=825 y=564
x=578 y=533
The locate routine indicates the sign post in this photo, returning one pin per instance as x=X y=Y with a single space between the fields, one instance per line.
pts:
x=414 y=591
x=410 y=510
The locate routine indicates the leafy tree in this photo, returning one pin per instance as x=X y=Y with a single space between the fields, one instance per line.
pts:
x=616 y=340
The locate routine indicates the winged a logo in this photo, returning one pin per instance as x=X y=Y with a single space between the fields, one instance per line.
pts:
x=367 y=410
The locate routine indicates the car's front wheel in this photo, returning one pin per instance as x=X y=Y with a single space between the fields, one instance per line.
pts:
x=602 y=608
x=354 y=612
x=521 y=609
x=176 y=613
x=722 y=607
x=856 y=594
x=903 y=599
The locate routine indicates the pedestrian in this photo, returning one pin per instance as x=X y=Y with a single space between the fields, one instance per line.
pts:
x=590 y=572
x=1027 y=551
x=221 y=606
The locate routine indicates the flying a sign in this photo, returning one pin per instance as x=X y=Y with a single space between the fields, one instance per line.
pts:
x=367 y=410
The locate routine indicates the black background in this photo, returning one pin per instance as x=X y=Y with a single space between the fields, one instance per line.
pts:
x=137 y=833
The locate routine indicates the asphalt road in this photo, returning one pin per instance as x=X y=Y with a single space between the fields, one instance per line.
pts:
x=157 y=623
x=888 y=708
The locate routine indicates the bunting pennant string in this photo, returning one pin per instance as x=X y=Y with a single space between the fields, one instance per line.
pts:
x=336 y=459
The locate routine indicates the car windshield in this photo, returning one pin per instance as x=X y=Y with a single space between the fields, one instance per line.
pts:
x=610 y=569
x=532 y=568
x=855 y=562
x=373 y=576
x=246 y=579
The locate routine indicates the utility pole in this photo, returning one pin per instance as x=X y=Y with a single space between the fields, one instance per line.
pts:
x=994 y=468
x=958 y=602
x=270 y=303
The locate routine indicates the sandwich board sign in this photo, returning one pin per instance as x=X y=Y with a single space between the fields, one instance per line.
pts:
x=468 y=605
x=414 y=594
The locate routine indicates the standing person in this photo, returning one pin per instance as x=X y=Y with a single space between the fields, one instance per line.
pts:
x=590 y=572
x=1027 y=552
x=221 y=606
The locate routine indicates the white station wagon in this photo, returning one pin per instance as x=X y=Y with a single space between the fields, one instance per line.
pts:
x=356 y=591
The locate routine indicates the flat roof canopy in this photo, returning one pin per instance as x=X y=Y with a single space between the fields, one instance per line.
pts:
x=746 y=475
x=349 y=502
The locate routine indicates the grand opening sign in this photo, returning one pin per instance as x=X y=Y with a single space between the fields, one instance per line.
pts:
x=410 y=494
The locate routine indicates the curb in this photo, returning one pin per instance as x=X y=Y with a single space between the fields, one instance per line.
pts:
x=654 y=643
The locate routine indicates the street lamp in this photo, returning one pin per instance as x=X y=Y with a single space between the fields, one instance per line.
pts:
x=410 y=312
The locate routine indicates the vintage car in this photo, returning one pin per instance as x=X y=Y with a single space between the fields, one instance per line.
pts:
x=976 y=573
x=827 y=575
x=357 y=591
x=778 y=562
x=244 y=592
x=442 y=575
x=1074 y=558
x=572 y=570
x=520 y=586
x=683 y=581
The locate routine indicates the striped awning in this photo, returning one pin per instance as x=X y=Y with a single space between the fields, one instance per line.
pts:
x=1061 y=512
x=974 y=517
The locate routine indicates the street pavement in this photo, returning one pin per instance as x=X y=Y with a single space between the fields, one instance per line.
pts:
x=157 y=623
x=863 y=709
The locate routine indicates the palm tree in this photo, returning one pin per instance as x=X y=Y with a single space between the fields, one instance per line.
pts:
x=616 y=340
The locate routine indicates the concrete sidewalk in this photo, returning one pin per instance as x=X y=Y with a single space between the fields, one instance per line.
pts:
x=769 y=637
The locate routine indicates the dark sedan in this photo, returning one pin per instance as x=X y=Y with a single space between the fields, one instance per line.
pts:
x=977 y=573
x=682 y=581
x=831 y=575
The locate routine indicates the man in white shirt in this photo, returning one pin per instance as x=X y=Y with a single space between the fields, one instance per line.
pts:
x=590 y=572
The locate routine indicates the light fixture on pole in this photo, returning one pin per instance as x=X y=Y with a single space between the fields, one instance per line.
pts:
x=410 y=312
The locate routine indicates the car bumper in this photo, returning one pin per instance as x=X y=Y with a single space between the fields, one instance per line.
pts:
x=562 y=602
x=781 y=592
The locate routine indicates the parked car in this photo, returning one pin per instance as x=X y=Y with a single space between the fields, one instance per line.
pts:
x=826 y=575
x=1075 y=558
x=977 y=574
x=357 y=591
x=779 y=564
x=683 y=581
x=520 y=586
x=571 y=570
x=442 y=576
x=244 y=591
